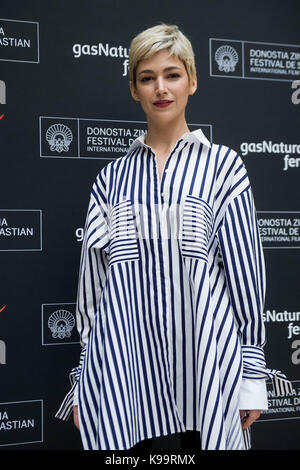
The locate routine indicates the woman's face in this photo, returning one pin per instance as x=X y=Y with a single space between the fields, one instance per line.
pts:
x=162 y=87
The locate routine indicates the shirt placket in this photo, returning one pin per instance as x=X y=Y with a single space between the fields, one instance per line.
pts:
x=162 y=199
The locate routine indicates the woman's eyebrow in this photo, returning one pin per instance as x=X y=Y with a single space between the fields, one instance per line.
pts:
x=167 y=69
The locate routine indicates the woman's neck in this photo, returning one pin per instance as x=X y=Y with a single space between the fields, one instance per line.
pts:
x=164 y=137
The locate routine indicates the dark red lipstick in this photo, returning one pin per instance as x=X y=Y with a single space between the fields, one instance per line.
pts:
x=162 y=103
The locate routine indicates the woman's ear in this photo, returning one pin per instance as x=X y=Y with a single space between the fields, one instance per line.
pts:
x=133 y=91
x=193 y=85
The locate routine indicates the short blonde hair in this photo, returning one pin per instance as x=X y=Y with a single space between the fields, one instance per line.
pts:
x=157 y=38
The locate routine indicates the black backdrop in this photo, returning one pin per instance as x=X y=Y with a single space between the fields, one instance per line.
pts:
x=63 y=67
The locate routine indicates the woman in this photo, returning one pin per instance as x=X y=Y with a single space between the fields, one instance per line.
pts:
x=172 y=278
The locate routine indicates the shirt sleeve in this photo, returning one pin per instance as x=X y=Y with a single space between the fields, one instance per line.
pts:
x=92 y=276
x=93 y=266
x=244 y=266
x=75 y=397
x=253 y=395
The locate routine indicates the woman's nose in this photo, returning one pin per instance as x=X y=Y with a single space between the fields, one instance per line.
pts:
x=161 y=85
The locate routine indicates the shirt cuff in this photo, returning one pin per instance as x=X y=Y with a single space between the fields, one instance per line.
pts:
x=253 y=395
x=75 y=398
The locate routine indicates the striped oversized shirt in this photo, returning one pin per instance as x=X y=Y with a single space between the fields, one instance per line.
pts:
x=170 y=299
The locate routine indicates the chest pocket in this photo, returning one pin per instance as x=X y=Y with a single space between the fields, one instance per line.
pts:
x=197 y=226
x=123 y=236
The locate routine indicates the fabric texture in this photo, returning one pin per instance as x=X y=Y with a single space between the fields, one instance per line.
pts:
x=170 y=299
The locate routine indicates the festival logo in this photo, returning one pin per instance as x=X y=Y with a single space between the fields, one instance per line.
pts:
x=59 y=138
x=21 y=422
x=58 y=324
x=20 y=230
x=226 y=58
x=93 y=138
x=279 y=229
x=19 y=41
x=282 y=407
x=61 y=323
x=254 y=60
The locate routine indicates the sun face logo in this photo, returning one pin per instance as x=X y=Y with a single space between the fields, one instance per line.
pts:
x=61 y=324
x=226 y=58
x=59 y=138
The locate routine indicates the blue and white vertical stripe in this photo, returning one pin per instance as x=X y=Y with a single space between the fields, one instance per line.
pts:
x=170 y=297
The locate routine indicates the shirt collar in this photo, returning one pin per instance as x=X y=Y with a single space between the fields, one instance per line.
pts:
x=196 y=135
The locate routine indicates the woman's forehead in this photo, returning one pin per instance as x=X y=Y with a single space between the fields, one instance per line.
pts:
x=159 y=61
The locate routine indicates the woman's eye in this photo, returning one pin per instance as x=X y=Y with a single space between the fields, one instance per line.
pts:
x=173 y=75
x=170 y=76
x=145 y=79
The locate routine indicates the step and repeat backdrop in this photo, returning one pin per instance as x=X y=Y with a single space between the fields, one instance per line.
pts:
x=66 y=111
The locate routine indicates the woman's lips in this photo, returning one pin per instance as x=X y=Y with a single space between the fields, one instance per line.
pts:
x=162 y=103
